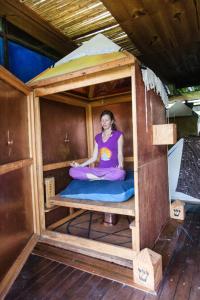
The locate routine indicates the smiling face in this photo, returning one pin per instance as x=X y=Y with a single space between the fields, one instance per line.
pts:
x=106 y=122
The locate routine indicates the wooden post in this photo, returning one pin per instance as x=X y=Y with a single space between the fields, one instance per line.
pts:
x=147 y=269
x=39 y=163
x=89 y=129
x=136 y=230
x=177 y=210
x=135 y=244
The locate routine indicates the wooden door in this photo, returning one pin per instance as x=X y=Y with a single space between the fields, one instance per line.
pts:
x=18 y=226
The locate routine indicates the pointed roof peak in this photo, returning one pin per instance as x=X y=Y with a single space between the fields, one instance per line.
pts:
x=99 y=44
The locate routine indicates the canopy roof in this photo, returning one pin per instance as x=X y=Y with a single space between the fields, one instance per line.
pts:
x=79 y=64
x=98 y=50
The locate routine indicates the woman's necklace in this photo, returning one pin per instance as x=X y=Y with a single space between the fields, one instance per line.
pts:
x=106 y=136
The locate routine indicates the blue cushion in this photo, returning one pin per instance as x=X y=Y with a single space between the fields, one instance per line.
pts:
x=101 y=190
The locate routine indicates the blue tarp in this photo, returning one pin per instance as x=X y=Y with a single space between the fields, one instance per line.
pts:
x=25 y=63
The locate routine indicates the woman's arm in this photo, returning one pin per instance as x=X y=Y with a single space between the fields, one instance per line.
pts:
x=120 y=152
x=90 y=160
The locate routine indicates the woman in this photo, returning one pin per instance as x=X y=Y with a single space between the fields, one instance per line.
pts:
x=109 y=148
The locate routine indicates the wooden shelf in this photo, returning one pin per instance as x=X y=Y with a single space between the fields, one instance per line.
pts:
x=64 y=164
x=60 y=165
x=6 y=168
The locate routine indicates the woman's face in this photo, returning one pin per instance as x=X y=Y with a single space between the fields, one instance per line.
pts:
x=106 y=122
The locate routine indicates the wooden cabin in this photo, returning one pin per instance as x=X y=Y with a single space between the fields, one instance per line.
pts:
x=52 y=121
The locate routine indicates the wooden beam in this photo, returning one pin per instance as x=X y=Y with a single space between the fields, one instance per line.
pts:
x=27 y=20
x=65 y=164
x=85 y=263
x=195 y=95
x=66 y=219
x=127 y=60
x=116 y=95
x=111 y=100
x=39 y=163
x=33 y=171
x=14 y=81
x=86 y=80
x=136 y=230
x=91 y=91
x=62 y=164
x=99 y=267
x=105 y=248
x=89 y=128
x=10 y=167
x=71 y=100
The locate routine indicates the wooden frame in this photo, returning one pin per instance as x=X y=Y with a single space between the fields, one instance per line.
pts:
x=114 y=73
x=149 y=161
x=111 y=71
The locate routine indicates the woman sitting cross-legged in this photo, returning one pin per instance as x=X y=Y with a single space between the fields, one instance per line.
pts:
x=109 y=148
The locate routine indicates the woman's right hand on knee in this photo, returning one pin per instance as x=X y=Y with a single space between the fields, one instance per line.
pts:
x=74 y=164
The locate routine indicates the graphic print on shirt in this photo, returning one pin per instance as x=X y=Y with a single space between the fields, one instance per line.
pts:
x=105 y=154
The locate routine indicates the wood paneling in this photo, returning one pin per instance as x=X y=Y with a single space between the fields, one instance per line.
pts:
x=166 y=33
x=151 y=166
x=13 y=124
x=16 y=222
x=63 y=132
x=123 y=116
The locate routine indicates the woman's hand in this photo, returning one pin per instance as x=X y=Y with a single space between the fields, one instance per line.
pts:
x=120 y=167
x=74 y=164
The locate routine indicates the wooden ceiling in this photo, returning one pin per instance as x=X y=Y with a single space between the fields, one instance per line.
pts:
x=163 y=34
x=166 y=32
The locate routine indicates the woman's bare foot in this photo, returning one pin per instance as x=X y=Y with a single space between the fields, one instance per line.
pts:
x=93 y=177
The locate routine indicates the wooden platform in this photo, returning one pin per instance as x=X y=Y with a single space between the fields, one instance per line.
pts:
x=53 y=273
x=126 y=208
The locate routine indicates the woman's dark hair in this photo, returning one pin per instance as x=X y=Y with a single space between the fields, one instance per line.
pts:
x=111 y=115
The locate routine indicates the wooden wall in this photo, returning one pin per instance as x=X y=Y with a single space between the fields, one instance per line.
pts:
x=16 y=216
x=61 y=122
x=151 y=166
x=63 y=130
x=123 y=117
x=13 y=124
x=16 y=223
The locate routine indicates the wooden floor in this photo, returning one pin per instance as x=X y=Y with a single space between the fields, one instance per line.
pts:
x=42 y=278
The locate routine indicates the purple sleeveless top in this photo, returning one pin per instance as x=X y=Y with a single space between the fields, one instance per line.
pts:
x=108 y=151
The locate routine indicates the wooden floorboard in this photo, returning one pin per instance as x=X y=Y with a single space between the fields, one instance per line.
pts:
x=43 y=279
